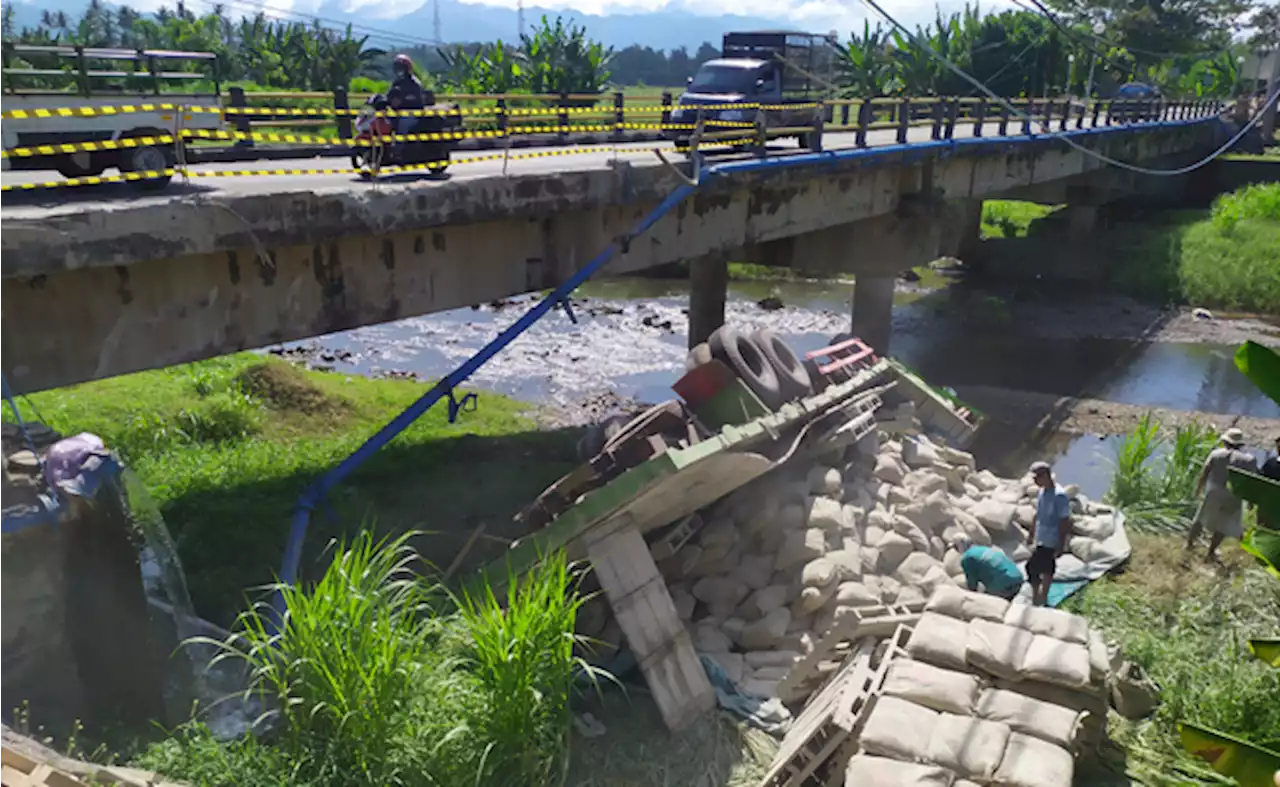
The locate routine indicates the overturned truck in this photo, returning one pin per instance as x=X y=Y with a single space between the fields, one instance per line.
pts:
x=780 y=535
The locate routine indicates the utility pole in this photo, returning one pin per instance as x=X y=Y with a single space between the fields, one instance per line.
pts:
x=519 y=20
x=435 y=22
x=1269 y=117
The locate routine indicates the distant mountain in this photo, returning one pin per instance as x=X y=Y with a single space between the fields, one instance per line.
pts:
x=667 y=29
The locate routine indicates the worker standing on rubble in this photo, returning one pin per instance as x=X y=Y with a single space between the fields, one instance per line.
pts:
x=1221 y=512
x=1048 y=533
x=989 y=568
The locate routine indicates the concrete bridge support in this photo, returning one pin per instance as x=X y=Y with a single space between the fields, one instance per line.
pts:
x=708 y=289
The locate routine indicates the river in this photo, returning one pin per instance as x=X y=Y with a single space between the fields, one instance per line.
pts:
x=629 y=344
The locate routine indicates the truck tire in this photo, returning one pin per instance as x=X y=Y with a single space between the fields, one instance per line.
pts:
x=793 y=378
x=147 y=158
x=736 y=349
x=84 y=164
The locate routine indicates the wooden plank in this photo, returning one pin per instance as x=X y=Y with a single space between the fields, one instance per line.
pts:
x=648 y=618
x=880 y=621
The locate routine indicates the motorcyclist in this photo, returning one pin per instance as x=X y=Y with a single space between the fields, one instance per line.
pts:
x=406 y=93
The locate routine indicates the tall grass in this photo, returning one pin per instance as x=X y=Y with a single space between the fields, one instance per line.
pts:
x=1194 y=646
x=521 y=650
x=1259 y=201
x=1155 y=476
x=373 y=677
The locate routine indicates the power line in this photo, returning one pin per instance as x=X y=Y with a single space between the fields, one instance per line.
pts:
x=1071 y=142
x=1044 y=10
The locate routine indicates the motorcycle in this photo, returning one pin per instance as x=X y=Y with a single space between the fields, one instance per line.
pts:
x=377 y=148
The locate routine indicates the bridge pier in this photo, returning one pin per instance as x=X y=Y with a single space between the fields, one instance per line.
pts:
x=873 y=310
x=708 y=289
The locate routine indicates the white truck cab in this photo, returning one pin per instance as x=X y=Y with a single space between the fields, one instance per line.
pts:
x=115 y=94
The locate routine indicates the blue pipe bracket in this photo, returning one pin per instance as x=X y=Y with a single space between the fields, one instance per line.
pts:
x=559 y=297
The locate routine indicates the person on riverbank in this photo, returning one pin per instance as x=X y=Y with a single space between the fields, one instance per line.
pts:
x=1048 y=533
x=1271 y=469
x=1220 y=512
x=988 y=568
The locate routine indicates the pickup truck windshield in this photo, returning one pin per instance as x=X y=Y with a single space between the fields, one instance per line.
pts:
x=723 y=79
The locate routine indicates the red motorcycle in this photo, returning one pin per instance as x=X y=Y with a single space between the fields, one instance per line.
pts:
x=376 y=146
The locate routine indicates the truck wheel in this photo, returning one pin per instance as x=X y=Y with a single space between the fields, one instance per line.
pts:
x=793 y=377
x=736 y=349
x=148 y=158
x=81 y=165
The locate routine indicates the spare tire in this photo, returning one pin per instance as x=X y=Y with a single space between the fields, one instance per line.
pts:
x=698 y=355
x=793 y=378
x=742 y=355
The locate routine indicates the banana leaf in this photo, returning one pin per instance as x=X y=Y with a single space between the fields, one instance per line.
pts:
x=1264 y=544
x=1262 y=366
x=1263 y=492
x=1267 y=649
x=1247 y=763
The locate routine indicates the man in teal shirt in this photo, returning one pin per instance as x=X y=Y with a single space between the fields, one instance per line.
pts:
x=989 y=568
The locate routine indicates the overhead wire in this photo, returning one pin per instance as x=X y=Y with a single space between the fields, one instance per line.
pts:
x=875 y=6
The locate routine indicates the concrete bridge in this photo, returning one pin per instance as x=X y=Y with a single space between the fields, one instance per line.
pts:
x=102 y=281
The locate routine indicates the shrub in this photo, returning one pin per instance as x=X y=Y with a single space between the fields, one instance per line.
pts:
x=1254 y=201
x=1155 y=478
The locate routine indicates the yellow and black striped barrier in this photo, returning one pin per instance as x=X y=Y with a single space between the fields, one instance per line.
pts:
x=388 y=170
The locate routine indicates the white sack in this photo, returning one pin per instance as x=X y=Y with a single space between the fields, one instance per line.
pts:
x=1048 y=621
x=1030 y=762
x=966 y=605
x=898 y=729
x=939 y=640
x=971 y=747
x=1055 y=661
x=933 y=687
x=997 y=648
x=866 y=771
x=1051 y=723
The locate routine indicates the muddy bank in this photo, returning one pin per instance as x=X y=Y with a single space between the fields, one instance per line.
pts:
x=1040 y=412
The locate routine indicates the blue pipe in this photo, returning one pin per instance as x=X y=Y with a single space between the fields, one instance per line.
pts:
x=314 y=494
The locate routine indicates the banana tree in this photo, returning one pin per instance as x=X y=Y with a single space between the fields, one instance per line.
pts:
x=864 y=65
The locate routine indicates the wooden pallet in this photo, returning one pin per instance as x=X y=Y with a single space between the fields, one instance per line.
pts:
x=879 y=622
x=19 y=770
x=829 y=724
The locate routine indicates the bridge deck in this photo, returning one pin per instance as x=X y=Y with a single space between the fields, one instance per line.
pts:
x=237 y=178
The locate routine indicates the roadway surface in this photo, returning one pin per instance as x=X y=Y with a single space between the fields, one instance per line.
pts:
x=237 y=178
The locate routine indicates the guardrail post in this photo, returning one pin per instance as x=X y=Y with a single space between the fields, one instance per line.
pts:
x=935 y=132
x=241 y=119
x=342 y=107
x=502 y=117
x=619 y=115
x=1110 y=106
x=979 y=115
x=1066 y=115
x=666 y=108
x=904 y=119
x=953 y=114
x=1028 y=117
x=1048 y=116
x=1003 y=128
x=562 y=119
x=866 y=113
x=844 y=114
x=1097 y=110
x=1084 y=109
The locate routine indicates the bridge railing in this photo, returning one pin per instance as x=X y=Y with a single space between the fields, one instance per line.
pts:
x=279 y=125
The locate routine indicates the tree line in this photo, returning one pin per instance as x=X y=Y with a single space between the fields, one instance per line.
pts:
x=1193 y=47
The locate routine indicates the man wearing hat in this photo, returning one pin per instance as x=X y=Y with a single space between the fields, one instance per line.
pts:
x=1221 y=511
x=1049 y=532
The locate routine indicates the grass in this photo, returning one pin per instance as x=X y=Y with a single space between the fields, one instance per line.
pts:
x=1188 y=629
x=378 y=677
x=1156 y=473
x=1012 y=218
x=225 y=447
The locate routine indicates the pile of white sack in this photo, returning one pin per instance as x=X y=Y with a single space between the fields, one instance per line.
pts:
x=988 y=692
x=775 y=563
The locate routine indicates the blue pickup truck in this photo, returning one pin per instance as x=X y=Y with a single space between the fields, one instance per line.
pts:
x=785 y=72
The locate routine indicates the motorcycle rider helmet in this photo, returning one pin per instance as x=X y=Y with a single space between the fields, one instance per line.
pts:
x=403 y=65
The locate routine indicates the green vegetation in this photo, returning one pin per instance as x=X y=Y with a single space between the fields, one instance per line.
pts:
x=225 y=447
x=380 y=677
x=1156 y=473
x=1189 y=629
x=1224 y=259
x=1011 y=218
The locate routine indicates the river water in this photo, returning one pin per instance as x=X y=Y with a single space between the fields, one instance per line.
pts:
x=630 y=341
